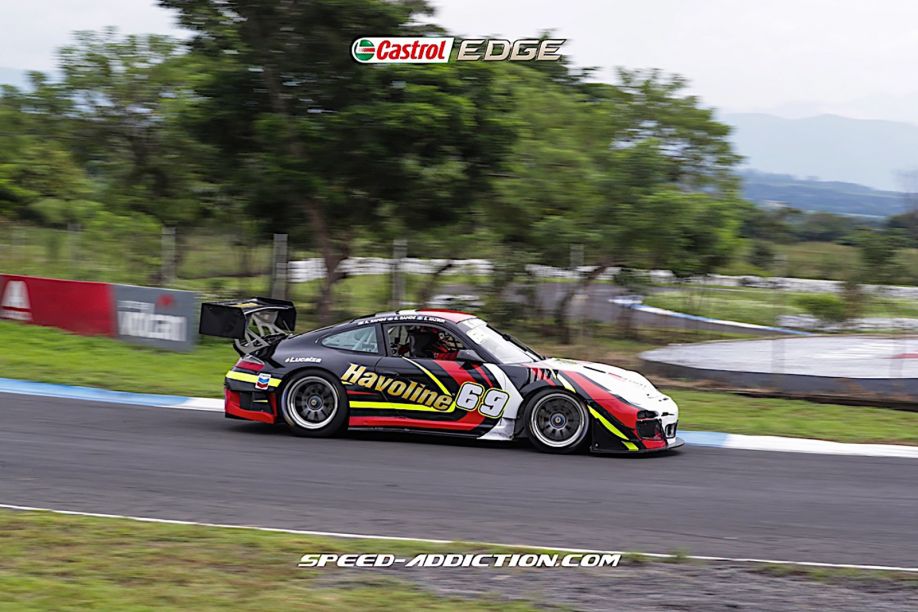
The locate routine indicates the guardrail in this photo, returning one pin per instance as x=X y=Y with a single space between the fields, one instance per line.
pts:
x=305 y=270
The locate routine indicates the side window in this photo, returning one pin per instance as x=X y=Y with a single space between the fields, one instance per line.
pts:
x=422 y=342
x=362 y=340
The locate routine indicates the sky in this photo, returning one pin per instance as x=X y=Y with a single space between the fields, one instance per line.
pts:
x=793 y=58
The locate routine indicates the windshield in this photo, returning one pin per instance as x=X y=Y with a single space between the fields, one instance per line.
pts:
x=504 y=348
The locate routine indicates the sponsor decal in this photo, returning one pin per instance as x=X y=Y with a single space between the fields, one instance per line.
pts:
x=437 y=50
x=499 y=50
x=156 y=317
x=140 y=319
x=410 y=392
x=263 y=381
x=471 y=396
x=303 y=360
x=15 y=301
x=403 y=317
x=451 y=560
x=402 y=50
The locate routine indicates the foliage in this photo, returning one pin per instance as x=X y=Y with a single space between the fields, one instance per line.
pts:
x=340 y=145
x=600 y=165
x=255 y=123
x=762 y=254
x=855 y=298
x=104 y=232
x=826 y=307
x=878 y=252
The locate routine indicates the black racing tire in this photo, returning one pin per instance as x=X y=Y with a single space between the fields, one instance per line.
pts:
x=557 y=422
x=314 y=404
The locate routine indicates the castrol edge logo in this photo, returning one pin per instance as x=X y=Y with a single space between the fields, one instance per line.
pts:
x=402 y=50
x=436 y=50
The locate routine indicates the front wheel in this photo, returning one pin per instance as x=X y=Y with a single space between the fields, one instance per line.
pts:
x=557 y=422
x=314 y=405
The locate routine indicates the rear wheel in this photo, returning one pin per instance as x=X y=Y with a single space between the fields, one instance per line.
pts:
x=314 y=405
x=557 y=422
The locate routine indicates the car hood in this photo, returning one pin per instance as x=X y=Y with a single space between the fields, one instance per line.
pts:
x=626 y=384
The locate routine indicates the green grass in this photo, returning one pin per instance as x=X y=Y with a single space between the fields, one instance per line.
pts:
x=843 y=575
x=62 y=562
x=711 y=411
x=51 y=355
x=826 y=260
x=760 y=306
x=57 y=562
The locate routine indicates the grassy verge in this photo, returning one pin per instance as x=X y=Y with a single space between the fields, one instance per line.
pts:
x=61 y=562
x=712 y=411
x=56 y=562
x=50 y=355
x=760 y=306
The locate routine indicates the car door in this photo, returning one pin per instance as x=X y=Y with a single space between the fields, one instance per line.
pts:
x=426 y=387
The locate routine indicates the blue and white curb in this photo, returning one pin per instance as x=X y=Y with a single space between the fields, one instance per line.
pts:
x=716 y=439
x=722 y=322
x=712 y=439
x=93 y=394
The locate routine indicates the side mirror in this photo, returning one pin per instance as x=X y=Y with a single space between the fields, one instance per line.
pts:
x=469 y=355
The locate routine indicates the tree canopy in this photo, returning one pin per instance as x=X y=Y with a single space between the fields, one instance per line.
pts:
x=263 y=117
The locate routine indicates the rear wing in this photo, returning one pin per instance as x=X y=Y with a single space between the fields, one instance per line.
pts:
x=253 y=323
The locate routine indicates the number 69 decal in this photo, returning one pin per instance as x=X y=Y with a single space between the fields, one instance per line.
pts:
x=490 y=403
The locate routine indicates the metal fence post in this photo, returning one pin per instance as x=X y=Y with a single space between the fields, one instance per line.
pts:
x=73 y=247
x=279 y=267
x=399 y=251
x=167 y=265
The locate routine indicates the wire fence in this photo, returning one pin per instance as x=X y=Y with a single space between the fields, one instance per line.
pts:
x=221 y=265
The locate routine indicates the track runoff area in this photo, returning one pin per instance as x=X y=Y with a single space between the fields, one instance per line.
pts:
x=81 y=398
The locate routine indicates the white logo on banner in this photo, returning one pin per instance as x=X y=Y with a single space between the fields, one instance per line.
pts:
x=15 y=303
x=139 y=319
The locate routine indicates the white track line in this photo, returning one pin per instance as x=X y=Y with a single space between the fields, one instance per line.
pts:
x=358 y=536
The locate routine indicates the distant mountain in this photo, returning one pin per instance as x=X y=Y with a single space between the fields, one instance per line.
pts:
x=827 y=147
x=829 y=196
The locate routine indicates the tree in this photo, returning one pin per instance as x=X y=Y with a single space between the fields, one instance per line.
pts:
x=878 y=250
x=33 y=167
x=637 y=173
x=127 y=100
x=341 y=145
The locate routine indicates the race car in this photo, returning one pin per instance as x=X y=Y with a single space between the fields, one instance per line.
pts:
x=430 y=371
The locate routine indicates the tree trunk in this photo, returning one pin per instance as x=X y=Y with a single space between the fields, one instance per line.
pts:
x=562 y=321
x=332 y=255
x=428 y=287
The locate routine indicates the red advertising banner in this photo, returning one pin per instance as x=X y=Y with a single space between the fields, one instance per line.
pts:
x=77 y=306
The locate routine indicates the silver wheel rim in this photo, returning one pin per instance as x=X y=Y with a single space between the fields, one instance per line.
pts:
x=311 y=402
x=558 y=420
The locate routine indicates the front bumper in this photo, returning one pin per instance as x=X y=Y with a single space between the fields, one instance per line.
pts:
x=605 y=441
x=671 y=444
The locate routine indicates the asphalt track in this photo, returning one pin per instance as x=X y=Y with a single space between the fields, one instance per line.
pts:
x=198 y=466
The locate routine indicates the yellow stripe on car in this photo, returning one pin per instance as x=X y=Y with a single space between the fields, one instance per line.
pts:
x=250 y=378
x=393 y=406
x=566 y=384
x=438 y=383
x=430 y=374
x=629 y=445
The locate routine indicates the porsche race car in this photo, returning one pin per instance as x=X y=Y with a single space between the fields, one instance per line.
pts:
x=430 y=371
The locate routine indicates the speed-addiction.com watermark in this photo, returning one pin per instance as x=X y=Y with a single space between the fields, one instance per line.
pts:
x=449 y=560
